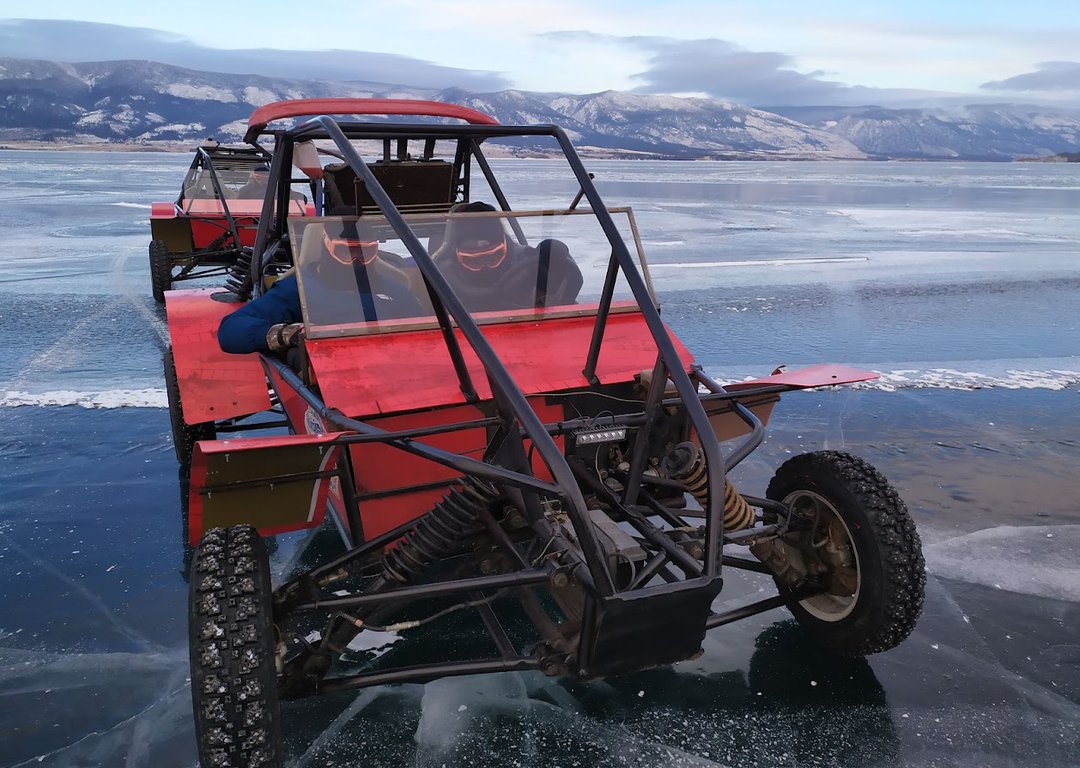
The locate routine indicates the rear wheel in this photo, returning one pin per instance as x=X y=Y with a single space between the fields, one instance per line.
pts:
x=184 y=435
x=232 y=643
x=860 y=543
x=160 y=270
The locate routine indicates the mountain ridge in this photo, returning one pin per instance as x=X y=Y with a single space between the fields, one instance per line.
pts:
x=150 y=103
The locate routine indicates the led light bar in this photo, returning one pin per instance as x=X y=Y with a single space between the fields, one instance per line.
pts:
x=593 y=436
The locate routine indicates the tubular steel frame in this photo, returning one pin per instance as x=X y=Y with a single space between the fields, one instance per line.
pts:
x=204 y=158
x=514 y=415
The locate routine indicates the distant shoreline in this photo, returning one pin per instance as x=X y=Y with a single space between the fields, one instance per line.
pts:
x=104 y=146
x=494 y=150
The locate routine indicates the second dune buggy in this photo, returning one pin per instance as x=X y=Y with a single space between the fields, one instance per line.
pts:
x=538 y=485
x=215 y=216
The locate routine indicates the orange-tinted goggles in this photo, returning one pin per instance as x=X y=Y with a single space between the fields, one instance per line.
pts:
x=489 y=258
x=346 y=251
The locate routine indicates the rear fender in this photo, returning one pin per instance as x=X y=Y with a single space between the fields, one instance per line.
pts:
x=276 y=484
x=728 y=425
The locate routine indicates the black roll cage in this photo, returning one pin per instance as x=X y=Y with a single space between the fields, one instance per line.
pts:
x=204 y=158
x=512 y=411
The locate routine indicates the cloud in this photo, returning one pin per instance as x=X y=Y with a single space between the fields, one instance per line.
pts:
x=1049 y=76
x=723 y=70
x=79 y=41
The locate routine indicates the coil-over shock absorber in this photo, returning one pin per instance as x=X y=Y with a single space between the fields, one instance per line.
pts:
x=440 y=531
x=687 y=464
x=238 y=277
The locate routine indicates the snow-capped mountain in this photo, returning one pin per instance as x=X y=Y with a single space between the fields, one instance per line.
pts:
x=146 y=102
x=979 y=131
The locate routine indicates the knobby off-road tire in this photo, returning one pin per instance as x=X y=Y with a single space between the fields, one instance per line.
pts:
x=160 y=270
x=232 y=641
x=184 y=435
x=891 y=573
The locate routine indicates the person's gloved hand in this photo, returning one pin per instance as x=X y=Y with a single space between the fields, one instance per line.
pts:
x=282 y=336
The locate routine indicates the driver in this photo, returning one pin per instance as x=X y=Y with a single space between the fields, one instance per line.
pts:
x=489 y=271
x=347 y=279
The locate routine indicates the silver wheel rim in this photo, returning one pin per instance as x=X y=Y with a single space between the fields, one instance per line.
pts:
x=827 y=607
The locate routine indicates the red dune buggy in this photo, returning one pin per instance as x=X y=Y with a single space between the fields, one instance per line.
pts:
x=533 y=473
x=202 y=234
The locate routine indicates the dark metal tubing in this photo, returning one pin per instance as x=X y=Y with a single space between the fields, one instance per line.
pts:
x=495 y=629
x=456 y=357
x=656 y=562
x=557 y=543
x=330 y=566
x=406 y=489
x=602 y=312
x=421 y=591
x=641 y=440
x=463 y=464
x=502 y=539
x=587 y=634
x=529 y=603
x=493 y=182
x=660 y=510
x=402 y=434
x=352 y=504
x=426 y=672
x=250 y=427
x=719 y=619
x=757 y=429
x=761 y=503
x=655 y=536
x=714 y=528
x=502 y=383
x=296 y=477
x=578 y=196
x=221 y=196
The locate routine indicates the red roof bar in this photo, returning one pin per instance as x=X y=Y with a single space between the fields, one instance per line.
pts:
x=279 y=110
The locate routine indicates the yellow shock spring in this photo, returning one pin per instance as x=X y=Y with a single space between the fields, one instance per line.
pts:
x=695 y=478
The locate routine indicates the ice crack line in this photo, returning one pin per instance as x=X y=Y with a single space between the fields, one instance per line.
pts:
x=123 y=629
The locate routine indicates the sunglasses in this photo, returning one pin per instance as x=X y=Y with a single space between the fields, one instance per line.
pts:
x=346 y=251
x=488 y=258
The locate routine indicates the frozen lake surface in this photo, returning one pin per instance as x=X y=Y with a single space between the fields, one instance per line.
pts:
x=960 y=283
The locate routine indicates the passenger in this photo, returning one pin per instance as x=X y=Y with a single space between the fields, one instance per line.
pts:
x=350 y=280
x=255 y=187
x=488 y=271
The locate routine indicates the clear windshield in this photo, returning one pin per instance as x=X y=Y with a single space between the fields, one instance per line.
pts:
x=239 y=178
x=357 y=277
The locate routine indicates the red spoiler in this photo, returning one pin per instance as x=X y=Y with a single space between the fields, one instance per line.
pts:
x=279 y=110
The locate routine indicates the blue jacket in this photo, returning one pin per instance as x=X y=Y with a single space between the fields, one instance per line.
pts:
x=245 y=329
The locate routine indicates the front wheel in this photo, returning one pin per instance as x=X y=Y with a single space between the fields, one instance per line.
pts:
x=858 y=541
x=160 y=270
x=233 y=646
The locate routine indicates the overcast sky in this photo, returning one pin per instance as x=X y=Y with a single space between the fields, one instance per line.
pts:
x=766 y=53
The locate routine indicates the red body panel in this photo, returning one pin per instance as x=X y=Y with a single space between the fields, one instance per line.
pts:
x=822 y=375
x=213 y=385
x=381 y=374
x=383 y=468
x=254 y=464
x=162 y=210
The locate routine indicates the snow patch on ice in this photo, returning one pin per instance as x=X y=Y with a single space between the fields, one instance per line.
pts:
x=951 y=378
x=1030 y=560
x=113 y=398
